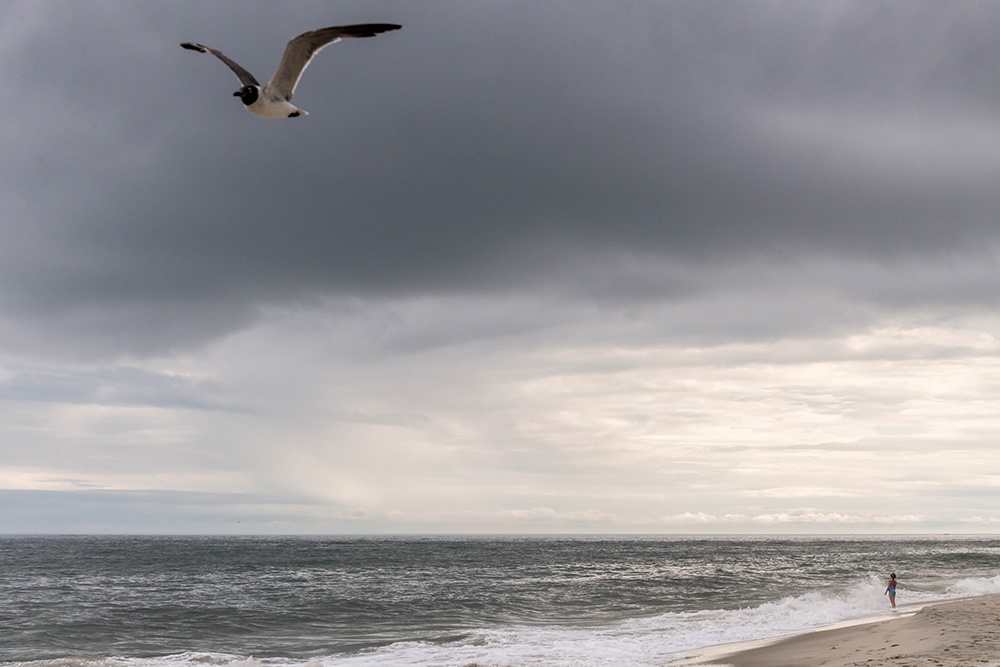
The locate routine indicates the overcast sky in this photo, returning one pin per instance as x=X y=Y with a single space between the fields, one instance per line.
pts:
x=526 y=267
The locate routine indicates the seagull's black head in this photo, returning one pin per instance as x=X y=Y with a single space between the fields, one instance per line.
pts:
x=248 y=94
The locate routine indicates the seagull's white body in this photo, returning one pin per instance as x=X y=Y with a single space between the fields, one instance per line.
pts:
x=274 y=100
x=274 y=107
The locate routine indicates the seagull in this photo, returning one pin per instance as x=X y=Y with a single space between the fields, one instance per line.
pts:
x=274 y=100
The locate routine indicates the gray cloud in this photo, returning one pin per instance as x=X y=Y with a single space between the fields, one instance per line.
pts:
x=479 y=149
x=547 y=251
x=119 y=386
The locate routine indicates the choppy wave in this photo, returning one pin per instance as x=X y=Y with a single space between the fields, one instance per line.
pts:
x=636 y=642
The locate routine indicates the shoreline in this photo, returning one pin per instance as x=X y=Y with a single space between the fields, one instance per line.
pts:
x=955 y=633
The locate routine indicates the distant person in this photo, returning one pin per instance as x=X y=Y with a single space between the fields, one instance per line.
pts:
x=890 y=590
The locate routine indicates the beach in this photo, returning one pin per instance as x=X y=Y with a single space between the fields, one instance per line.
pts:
x=961 y=633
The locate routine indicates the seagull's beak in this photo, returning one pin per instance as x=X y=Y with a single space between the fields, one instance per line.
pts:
x=237 y=93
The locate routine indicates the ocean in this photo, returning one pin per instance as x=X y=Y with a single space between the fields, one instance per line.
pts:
x=450 y=601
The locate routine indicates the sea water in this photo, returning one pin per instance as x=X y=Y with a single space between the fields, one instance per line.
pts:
x=445 y=601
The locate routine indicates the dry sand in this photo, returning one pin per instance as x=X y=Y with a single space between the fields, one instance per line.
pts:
x=963 y=633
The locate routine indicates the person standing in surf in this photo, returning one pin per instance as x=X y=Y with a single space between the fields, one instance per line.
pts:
x=890 y=590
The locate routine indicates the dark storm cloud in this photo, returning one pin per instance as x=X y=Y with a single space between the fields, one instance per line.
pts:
x=484 y=147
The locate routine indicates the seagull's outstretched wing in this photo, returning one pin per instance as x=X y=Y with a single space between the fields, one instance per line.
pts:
x=246 y=78
x=300 y=51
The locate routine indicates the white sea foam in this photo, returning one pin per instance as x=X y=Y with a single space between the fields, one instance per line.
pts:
x=970 y=587
x=658 y=640
x=638 y=642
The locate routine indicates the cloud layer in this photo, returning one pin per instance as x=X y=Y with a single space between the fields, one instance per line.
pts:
x=525 y=268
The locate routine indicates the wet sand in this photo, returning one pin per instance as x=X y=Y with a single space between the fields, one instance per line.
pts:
x=962 y=633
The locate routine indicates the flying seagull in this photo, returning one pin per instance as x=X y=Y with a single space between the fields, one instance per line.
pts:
x=274 y=100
